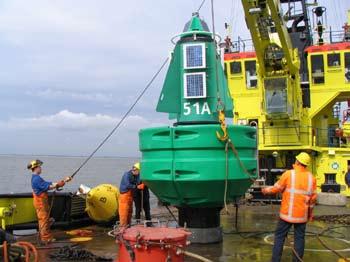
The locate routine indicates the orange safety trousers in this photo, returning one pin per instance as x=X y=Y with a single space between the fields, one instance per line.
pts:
x=41 y=205
x=125 y=208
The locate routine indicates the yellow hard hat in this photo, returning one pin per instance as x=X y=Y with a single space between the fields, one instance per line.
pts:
x=35 y=163
x=303 y=158
x=137 y=165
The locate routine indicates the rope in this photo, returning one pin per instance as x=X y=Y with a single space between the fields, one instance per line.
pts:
x=196 y=256
x=234 y=150
x=122 y=119
x=329 y=248
x=226 y=179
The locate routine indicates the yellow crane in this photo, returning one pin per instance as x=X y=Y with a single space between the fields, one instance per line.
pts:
x=291 y=88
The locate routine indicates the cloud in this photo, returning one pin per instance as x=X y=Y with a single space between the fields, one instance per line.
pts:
x=66 y=120
x=53 y=94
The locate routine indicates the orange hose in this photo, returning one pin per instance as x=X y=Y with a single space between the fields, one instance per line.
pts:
x=5 y=252
x=27 y=251
x=32 y=248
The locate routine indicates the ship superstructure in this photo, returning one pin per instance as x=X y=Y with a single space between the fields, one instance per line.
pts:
x=291 y=88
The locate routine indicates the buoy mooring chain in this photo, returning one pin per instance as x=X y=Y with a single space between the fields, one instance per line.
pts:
x=76 y=254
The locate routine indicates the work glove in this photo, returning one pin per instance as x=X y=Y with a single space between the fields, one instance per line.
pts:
x=67 y=179
x=60 y=183
x=141 y=186
x=264 y=190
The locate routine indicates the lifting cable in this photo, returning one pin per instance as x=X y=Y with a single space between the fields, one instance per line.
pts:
x=199 y=8
x=221 y=114
x=122 y=119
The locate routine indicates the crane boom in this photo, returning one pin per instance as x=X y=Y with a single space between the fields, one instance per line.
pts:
x=277 y=58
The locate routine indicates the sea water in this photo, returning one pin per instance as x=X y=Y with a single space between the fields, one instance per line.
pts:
x=16 y=178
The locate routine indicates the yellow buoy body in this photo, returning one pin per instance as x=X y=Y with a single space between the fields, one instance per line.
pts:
x=102 y=203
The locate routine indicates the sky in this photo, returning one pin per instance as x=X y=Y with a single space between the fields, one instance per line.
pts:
x=69 y=70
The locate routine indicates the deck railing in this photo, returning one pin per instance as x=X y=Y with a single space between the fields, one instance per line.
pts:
x=303 y=136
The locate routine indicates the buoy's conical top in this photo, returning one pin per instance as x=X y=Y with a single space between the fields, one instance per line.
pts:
x=196 y=24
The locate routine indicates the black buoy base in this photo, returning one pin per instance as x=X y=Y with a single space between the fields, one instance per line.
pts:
x=204 y=223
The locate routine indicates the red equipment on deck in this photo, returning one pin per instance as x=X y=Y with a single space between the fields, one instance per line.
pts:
x=149 y=244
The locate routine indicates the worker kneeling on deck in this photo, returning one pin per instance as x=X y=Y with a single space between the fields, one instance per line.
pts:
x=40 y=199
x=298 y=188
x=130 y=181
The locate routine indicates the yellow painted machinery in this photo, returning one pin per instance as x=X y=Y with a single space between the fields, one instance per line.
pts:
x=293 y=88
x=17 y=210
x=99 y=204
x=12 y=207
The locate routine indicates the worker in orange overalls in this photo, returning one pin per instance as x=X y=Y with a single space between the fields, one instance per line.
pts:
x=129 y=182
x=41 y=201
x=298 y=188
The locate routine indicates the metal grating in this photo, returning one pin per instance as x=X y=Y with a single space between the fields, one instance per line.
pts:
x=195 y=86
x=78 y=206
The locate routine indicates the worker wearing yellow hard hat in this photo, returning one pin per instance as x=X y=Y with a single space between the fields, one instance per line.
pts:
x=40 y=198
x=141 y=200
x=303 y=158
x=298 y=188
x=129 y=182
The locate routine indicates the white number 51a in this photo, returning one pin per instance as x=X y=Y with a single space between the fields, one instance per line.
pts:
x=197 y=108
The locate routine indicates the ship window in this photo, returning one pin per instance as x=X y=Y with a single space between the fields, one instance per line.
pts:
x=330 y=178
x=236 y=67
x=317 y=69
x=250 y=73
x=194 y=56
x=333 y=60
x=194 y=85
x=347 y=66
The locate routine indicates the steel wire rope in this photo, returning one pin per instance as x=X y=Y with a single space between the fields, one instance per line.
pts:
x=219 y=102
x=216 y=62
x=172 y=214
x=338 y=11
x=232 y=18
x=123 y=118
x=199 y=8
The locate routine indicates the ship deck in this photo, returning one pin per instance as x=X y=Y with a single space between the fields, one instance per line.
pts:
x=251 y=241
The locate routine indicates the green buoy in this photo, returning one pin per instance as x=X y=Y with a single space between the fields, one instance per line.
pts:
x=186 y=165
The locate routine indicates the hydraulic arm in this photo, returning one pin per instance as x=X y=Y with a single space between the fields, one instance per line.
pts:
x=278 y=61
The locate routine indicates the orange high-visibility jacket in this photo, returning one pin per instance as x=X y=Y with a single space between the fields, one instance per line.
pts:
x=298 y=188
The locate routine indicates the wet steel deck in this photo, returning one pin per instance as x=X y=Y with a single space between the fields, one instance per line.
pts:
x=252 y=241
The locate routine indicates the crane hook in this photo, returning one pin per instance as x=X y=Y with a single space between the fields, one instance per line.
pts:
x=224 y=136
